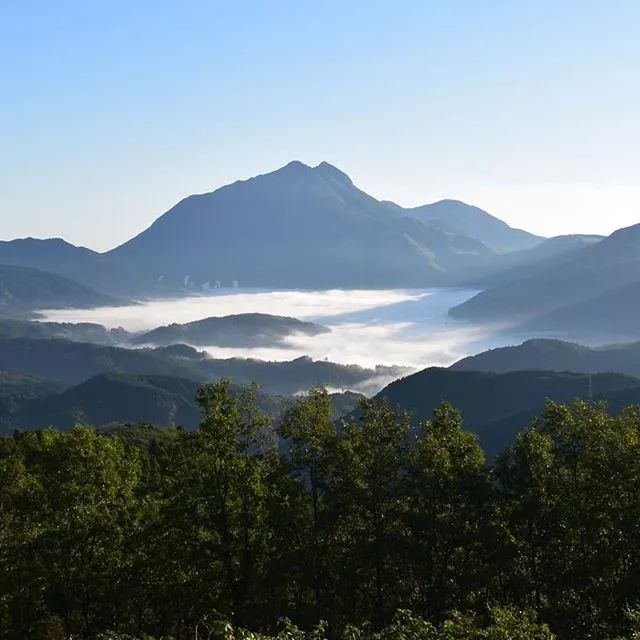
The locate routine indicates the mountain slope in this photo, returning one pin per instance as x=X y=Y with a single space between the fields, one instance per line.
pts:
x=458 y=217
x=494 y=405
x=519 y=264
x=607 y=316
x=74 y=362
x=75 y=332
x=23 y=289
x=297 y=226
x=608 y=265
x=240 y=330
x=556 y=355
x=132 y=399
x=161 y=400
x=55 y=255
x=16 y=390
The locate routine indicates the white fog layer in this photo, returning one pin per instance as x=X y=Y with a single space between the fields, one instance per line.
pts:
x=368 y=327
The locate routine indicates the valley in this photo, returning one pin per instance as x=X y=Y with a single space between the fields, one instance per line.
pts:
x=330 y=287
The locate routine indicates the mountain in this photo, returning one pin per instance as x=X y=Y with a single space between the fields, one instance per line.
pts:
x=52 y=254
x=108 y=398
x=23 y=289
x=299 y=226
x=464 y=219
x=494 y=405
x=74 y=362
x=55 y=255
x=556 y=355
x=240 y=330
x=606 y=266
x=76 y=332
x=518 y=264
x=113 y=398
x=17 y=384
x=17 y=389
x=550 y=248
x=612 y=315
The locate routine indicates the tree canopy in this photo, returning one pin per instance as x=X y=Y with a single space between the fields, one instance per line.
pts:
x=232 y=531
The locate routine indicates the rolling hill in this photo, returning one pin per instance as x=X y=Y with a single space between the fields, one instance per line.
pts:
x=18 y=389
x=72 y=363
x=112 y=399
x=23 y=289
x=240 y=330
x=556 y=355
x=497 y=406
x=75 y=332
x=54 y=255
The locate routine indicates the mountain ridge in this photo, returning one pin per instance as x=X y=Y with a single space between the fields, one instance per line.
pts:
x=298 y=226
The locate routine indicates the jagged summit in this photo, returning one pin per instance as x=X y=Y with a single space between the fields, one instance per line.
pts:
x=296 y=168
x=332 y=172
x=297 y=226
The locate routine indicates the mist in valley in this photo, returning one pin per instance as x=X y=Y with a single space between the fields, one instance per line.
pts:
x=367 y=327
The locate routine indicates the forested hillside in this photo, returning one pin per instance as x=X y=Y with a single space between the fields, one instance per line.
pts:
x=72 y=363
x=556 y=355
x=497 y=406
x=369 y=526
x=239 y=330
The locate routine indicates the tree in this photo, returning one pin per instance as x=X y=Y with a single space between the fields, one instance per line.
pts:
x=310 y=436
x=368 y=500
x=449 y=516
x=571 y=506
x=78 y=504
x=216 y=496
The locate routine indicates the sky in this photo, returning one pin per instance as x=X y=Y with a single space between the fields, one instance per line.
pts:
x=111 y=111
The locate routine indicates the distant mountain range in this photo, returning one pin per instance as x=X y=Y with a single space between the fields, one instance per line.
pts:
x=24 y=289
x=72 y=363
x=237 y=330
x=594 y=289
x=311 y=227
x=466 y=220
x=299 y=226
x=114 y=398
x=556 y=355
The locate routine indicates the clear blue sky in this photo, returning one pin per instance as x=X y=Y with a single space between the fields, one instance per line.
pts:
x=111 y=111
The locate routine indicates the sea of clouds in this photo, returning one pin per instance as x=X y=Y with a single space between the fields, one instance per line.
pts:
x=367 y=327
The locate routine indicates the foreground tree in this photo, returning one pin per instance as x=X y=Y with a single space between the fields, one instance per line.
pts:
x=78 y=505
x=309 y=437
x=449 y=517
x=214 y=515
x=368 y=499
x=571 y=504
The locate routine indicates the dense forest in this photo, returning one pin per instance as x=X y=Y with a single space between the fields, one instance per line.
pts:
x=359 y=530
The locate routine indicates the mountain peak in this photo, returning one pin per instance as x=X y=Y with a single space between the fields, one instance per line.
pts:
x=333 y=173
x=296 y=165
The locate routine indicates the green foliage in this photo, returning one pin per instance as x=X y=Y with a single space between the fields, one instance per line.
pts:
x=385 y=534
x=500 y=624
